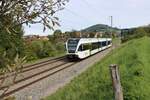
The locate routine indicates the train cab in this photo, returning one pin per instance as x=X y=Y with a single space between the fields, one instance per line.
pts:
x=71 y=47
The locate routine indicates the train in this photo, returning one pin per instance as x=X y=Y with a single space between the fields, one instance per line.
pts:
x=84 y=47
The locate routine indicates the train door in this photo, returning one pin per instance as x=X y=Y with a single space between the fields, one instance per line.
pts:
x=84 y=50
x=95 y=47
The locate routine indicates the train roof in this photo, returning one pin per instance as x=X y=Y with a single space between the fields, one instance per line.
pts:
x=89 y=40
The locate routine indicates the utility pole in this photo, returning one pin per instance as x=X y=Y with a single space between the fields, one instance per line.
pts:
x=111 y=19
x=111 y=24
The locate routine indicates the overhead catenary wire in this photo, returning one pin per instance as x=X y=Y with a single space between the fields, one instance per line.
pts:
x=85 y=19
x=70 y=24
x=78 y=15
x=92 y=8
x=81 y=16
x=89 y=5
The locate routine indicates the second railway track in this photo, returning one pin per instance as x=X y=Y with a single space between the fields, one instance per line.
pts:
x=33 y=66
x=48 y=70
x=20 y=86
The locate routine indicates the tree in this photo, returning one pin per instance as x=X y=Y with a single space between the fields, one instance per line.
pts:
x=11 y=45
x=57 y=33
x=15 y=13
x=30 y=12
x=11 y=52
x=140 y=32
x=73 y=33
x=51 y=38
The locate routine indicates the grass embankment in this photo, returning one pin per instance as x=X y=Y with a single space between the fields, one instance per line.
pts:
x=95 y=84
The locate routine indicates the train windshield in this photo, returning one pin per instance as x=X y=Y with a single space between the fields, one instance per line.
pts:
x=72 y=45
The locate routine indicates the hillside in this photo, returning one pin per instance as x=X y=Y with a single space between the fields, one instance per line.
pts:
x=95 y=84
x=99 y=28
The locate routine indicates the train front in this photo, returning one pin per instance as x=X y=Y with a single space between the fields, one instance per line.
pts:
x=71 y=47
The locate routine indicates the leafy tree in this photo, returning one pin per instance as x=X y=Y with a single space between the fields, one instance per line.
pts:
x=30 y=12
x=57 y=33
x=91 y=35
x=11 y=45
x=51 y=38
x=139 y=32
x=15 y=13
x=73 y=33
x=128 y=34
x=11 y=51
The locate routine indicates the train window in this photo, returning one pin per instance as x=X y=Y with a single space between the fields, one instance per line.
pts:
x=72 y=45
x=84 y=47
x=95 y=45
x=99 y=44
x=104 y=43
x=109 y=42
x=73 y=41
x=80 y=48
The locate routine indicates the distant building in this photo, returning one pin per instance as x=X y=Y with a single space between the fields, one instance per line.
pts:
x=35 y=37
x=44 y=38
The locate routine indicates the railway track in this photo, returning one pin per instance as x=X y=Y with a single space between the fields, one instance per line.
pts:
x=33 y=66
x=22 y=83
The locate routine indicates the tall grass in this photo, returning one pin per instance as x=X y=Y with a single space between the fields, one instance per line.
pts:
x=95 y=84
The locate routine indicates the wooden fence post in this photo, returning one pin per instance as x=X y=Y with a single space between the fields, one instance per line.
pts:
x=116 y=82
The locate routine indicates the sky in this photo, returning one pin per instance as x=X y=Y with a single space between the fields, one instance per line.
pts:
x=79 y=14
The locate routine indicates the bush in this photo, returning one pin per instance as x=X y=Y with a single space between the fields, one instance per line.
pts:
x=128 y=34
x=41 y=49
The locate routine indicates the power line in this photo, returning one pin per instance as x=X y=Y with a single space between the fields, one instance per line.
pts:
x=80 y=16
x=89 y=5
x=70 y=23
x=93 y=9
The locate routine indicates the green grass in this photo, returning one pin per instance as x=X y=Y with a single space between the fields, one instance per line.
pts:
x=95 y=84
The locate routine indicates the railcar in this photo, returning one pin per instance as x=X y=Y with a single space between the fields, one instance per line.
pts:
x=84 y=47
